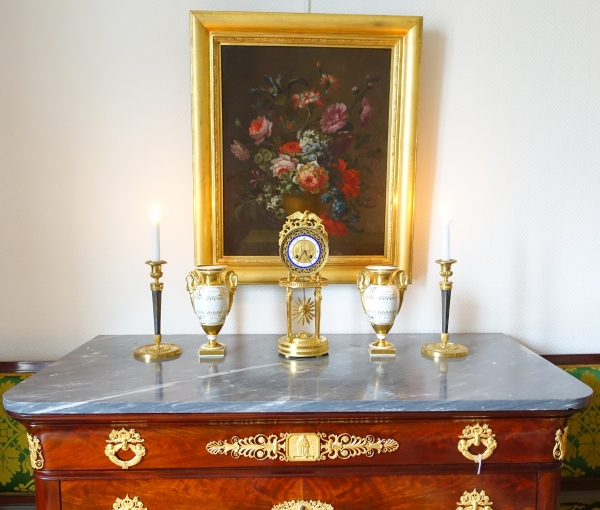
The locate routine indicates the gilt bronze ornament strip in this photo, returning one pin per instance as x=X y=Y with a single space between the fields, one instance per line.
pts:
x=302 y=446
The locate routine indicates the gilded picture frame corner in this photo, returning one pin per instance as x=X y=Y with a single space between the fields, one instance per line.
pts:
x=210 y=32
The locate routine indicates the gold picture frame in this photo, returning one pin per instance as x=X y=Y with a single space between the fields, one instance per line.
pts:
x=221 y=44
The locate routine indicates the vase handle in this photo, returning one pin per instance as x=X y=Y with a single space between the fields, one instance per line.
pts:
x=363 y=280
x=192 y=281
x=400 y=279
x=231 y=280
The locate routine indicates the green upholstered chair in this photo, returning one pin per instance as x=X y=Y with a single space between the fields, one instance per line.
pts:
x=16 y=474
x=581 y=467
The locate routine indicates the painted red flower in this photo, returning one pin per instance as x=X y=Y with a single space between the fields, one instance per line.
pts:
x=333 y=227
x=307 y=97
x=341 y=165
x=260 y=128
x=350 y=179
x=330 y=83
x=291 y=148
x=351 y=183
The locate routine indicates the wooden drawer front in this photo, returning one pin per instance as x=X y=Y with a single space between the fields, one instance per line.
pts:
x=425 y=492
x=185 y=445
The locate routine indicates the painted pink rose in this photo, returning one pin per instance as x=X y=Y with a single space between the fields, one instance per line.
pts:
x=283 y=164
x=334 y=118
x=366 y=113
x=260 y=128
x=239 y=150
x=311 y=177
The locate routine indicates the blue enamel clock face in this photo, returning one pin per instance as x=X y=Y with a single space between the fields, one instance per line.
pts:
x=304 y=251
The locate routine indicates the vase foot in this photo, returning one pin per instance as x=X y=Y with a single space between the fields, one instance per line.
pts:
x=212 y=350
x=376 y=349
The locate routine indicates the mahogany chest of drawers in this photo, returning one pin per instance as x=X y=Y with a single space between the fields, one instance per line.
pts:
x=260 y=432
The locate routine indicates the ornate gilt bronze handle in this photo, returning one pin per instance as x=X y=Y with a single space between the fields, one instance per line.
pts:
x=302 y=505
x=125 y=440
x=474 y=501
x=560 y=446
x=476 y=435
x=35 y=452
x=128 y=504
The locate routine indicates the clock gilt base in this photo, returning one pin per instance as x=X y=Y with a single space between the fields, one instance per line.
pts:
x=259 y=432
x=303 y=345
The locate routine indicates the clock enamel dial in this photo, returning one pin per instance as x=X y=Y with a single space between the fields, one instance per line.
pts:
x=304 y=250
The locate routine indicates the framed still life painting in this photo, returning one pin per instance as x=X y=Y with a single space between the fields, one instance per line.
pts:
x=296 y=112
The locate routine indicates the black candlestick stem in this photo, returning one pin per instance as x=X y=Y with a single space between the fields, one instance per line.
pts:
x=445 y=309
x=156 y=308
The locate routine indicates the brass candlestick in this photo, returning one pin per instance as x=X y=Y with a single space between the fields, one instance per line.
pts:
x=157 y=350
x=445 y=349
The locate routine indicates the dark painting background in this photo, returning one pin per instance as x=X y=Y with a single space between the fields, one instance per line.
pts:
x=244 y=67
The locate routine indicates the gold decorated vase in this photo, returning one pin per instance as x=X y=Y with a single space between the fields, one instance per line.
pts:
x=211 y=290
x=381 y=293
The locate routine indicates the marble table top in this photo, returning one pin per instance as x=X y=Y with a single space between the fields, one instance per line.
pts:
x=102 y=377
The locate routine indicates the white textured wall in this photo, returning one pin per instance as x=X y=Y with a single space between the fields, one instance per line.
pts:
x=95 y=127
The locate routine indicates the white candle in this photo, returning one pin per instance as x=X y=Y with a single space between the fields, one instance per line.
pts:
x=155 y=234
x=445 y=232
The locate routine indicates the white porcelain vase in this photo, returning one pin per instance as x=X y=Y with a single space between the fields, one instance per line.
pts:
x=211 y=290
x=382 y=292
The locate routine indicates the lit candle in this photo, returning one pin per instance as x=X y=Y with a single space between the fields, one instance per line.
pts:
x=445 y=232
x=155 y=234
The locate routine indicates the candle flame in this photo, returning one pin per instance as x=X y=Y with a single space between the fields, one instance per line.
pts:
x=155 y=214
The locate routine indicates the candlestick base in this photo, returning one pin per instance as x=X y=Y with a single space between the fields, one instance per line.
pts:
x=157 y=350
x=444 y=349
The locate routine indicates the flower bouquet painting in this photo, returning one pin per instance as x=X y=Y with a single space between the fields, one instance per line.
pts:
x=304 y=129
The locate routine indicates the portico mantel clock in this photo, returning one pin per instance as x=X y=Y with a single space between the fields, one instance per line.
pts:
x=304 y=250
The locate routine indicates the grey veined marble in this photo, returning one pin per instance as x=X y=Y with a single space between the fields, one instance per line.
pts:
x=102 y=376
